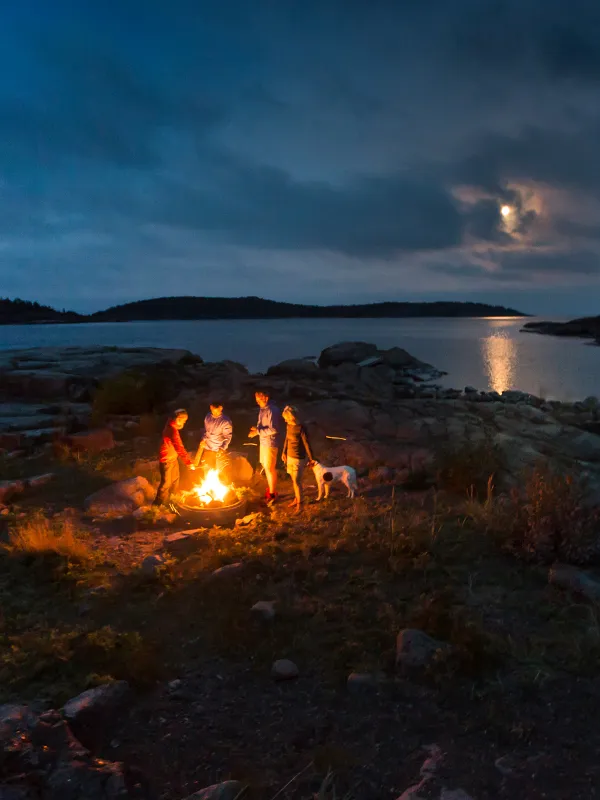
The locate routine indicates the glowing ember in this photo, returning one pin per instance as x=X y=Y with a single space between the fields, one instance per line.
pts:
x=211 y=488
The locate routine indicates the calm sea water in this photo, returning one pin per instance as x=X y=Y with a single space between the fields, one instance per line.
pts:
x=485 y=353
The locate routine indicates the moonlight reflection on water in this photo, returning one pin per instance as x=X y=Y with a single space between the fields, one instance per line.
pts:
x=487 y=353
x=499 y=357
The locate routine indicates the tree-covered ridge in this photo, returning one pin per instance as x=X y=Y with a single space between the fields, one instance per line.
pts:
x=259 y=308
x=19 y=312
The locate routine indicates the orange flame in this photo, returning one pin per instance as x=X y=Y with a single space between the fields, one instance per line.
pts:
x=211 y=488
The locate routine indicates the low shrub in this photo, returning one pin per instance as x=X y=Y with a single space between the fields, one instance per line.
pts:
x=132 y=392
x=548 y=520
x=467 y=469
x=37 y=536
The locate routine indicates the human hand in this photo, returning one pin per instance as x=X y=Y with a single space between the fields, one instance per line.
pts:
x=284 y=458
x=253 y=432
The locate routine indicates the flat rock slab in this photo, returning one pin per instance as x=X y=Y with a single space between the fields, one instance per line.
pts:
x=94 y=362
x=184 y=541
x=9 y=489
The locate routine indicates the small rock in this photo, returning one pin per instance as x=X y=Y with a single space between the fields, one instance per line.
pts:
x=264 y=609
x=229 y=790
x=363 y=682
x=229 y=570
x=506 y=766
x=415 y=649
x=182 y=542
x=175 y=684
x=151 y=565
x=248 y=519
x=284 y=670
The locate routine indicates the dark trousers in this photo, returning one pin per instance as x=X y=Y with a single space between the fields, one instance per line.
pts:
x=219 y=460
x=169 y=481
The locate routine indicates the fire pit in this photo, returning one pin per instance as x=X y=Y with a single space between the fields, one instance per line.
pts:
x=211 y=503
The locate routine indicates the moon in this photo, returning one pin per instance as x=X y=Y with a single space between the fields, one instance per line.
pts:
x=505 y=211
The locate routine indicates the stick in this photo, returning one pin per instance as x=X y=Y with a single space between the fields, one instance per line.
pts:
x=341 y=438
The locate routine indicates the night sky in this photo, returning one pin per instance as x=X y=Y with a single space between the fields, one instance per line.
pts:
x=316 y=151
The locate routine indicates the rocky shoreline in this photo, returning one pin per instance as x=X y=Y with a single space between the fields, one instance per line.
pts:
x=385 y=406
x=347 y=571
x=585 y=328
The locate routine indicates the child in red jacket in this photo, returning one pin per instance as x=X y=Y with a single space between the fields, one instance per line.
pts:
x=171 y=449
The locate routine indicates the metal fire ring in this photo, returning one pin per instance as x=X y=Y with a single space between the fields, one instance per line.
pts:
x=224 y=516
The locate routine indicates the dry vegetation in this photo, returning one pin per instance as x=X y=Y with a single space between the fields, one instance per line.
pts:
x=456 y=561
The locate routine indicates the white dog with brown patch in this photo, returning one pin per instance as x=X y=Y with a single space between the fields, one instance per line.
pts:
x=325 y=476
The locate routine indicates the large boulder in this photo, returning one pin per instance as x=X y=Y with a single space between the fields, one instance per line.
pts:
x=122 y=497
x=239 y=470
x=347 y=352
x=294 y=366
x=397 y=358
x=92 y=713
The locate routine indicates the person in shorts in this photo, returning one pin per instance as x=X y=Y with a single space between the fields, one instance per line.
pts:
x=296 y=453
x=268 y=429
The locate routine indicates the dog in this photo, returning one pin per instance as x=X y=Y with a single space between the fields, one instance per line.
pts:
x=325 y=476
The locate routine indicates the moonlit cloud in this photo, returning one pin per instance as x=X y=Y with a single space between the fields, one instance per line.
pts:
x=326 y=151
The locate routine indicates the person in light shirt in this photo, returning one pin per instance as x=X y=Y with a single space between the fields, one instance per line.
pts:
x=268 y=428
x=214 y=445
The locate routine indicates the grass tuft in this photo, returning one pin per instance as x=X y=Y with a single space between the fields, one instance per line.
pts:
x=39 y=536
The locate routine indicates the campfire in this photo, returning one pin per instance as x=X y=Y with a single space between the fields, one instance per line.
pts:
x=211 y=493
x=211 y=502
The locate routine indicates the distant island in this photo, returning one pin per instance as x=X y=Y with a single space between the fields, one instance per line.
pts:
x=21 y=312
x=583 y=328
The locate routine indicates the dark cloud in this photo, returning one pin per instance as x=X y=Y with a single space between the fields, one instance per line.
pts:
x=525 y=267
x=553 y=39
x=100 y=109
x=563 y=158
x=264 y=207
x=277 y=131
